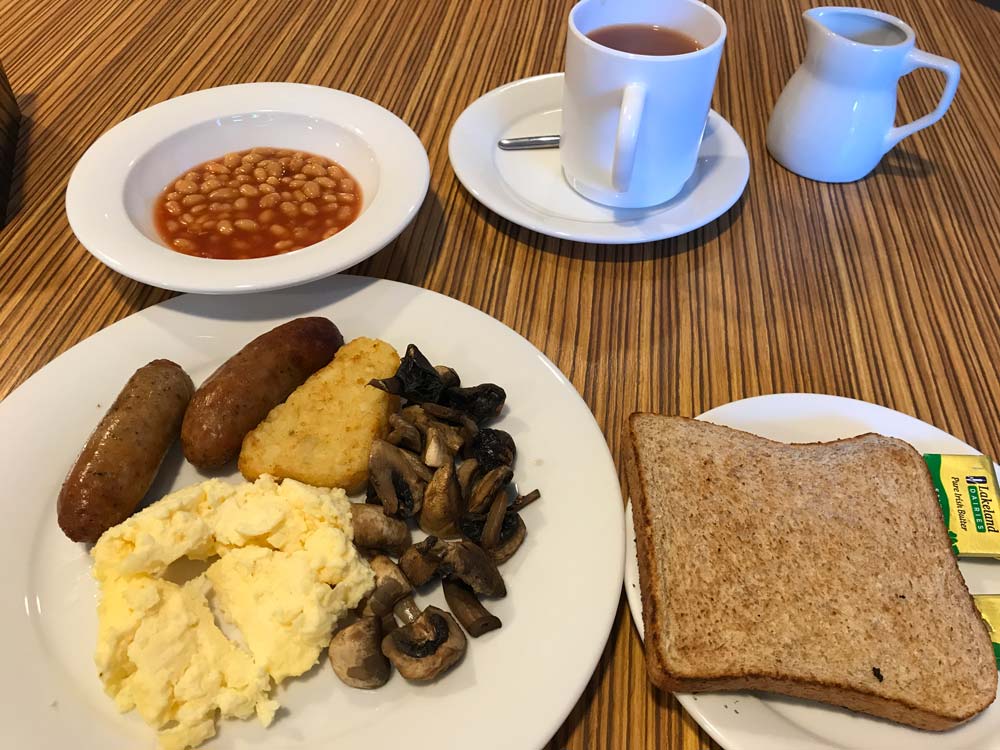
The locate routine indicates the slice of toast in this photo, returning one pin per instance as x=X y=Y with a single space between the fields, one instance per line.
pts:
x=822 y=571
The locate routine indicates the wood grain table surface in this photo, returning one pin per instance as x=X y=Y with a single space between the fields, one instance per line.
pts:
x=886 y=290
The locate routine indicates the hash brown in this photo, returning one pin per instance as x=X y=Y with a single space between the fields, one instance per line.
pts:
x=322 y=433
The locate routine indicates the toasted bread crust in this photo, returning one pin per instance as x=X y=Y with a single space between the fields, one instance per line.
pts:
x=649 y=579
x=848 y=691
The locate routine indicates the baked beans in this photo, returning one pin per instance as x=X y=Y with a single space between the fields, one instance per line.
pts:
x=255 y=203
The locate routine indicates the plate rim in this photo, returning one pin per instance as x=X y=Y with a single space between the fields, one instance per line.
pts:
x=496 y=200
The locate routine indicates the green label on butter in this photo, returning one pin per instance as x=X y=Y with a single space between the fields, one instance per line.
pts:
x=989 y=608
x=967 y=491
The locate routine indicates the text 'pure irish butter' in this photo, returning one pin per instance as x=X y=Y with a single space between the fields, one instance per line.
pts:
x=967 y=490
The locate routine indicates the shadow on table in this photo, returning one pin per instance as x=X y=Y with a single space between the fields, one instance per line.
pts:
x=15 y=198
x=902 y=163
x=411 y=257
x=610 y=253
x=560 y=739
x=991 y=4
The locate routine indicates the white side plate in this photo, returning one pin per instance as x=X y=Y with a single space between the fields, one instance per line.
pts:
x=758 y=721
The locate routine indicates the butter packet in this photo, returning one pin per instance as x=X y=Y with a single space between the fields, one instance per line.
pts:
x=989 y=608
x=967 y=491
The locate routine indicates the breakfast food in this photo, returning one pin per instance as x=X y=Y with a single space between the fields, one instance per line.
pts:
x=121 y=457
x=256 y=203
x=286 y=573
x=278 y=559
x=423 y=645
x=821 y=571
x=322 y=433
x=442 y=468
x=240 y=393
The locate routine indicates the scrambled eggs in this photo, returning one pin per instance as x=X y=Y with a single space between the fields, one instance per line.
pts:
x=286 y=571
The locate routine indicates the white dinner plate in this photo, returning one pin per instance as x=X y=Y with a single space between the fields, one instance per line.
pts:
x=114 y=186
x=758 y=721
x=528 y=187
x=515 y=685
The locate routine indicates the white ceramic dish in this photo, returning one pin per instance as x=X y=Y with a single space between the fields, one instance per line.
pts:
x=515 y=686
x=756 y=721
x=113 y=187
x=529 y=189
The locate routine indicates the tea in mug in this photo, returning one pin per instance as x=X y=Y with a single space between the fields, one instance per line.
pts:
x=644 y=39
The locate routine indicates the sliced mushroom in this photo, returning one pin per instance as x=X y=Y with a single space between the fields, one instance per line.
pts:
x=420 y=563
x=392 y=596
x=453 y=436
x=481 y=402
x=398 y=478
x=467 y=425
x=445 y=414
x=404 y=434
x=448 y=376
x=443 y=504
x=406 y=610
x=468 y=473
x=427 y=647
x=416 y=379
x=468 y=610
x=494 y=521
x=487 y=487
x=523 y=501
x=436 y=452
x=388 y=623
x=512 y=533
x=471 y=564
x=511 y=536
x=356 y=654
x=492 y=448
x=391 y=586
x=462 y=559
x=373 y=529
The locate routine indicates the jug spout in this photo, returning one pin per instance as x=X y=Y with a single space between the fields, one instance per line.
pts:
x=856 y=45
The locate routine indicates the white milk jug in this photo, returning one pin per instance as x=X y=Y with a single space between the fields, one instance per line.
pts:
x=834 y=120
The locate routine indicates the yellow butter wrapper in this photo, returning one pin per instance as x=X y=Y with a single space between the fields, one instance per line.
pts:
x=967 y=491
x=989 y=608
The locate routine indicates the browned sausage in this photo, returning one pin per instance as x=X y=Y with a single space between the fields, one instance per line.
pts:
x=238 y=395
x=122 y=456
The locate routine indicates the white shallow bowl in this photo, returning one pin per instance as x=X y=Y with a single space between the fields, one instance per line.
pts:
x=111 y=193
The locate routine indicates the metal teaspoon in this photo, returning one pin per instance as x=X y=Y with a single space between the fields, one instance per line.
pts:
x=527 y=142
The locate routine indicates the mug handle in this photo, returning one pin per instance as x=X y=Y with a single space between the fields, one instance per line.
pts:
x=919 y=59
x=633 y=100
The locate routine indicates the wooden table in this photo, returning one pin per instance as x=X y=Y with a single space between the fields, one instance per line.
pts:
x=886 y=290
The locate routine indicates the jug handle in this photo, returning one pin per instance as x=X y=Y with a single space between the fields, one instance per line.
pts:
x=919 y=59
x=633 y=101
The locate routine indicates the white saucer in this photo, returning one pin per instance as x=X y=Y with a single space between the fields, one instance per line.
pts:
x=528 y=187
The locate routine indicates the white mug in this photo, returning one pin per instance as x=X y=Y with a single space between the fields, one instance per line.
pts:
x=632 y=124
x=834 y=120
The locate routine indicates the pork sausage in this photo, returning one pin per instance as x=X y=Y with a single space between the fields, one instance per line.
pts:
x=121 y=458
x=237 y=396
